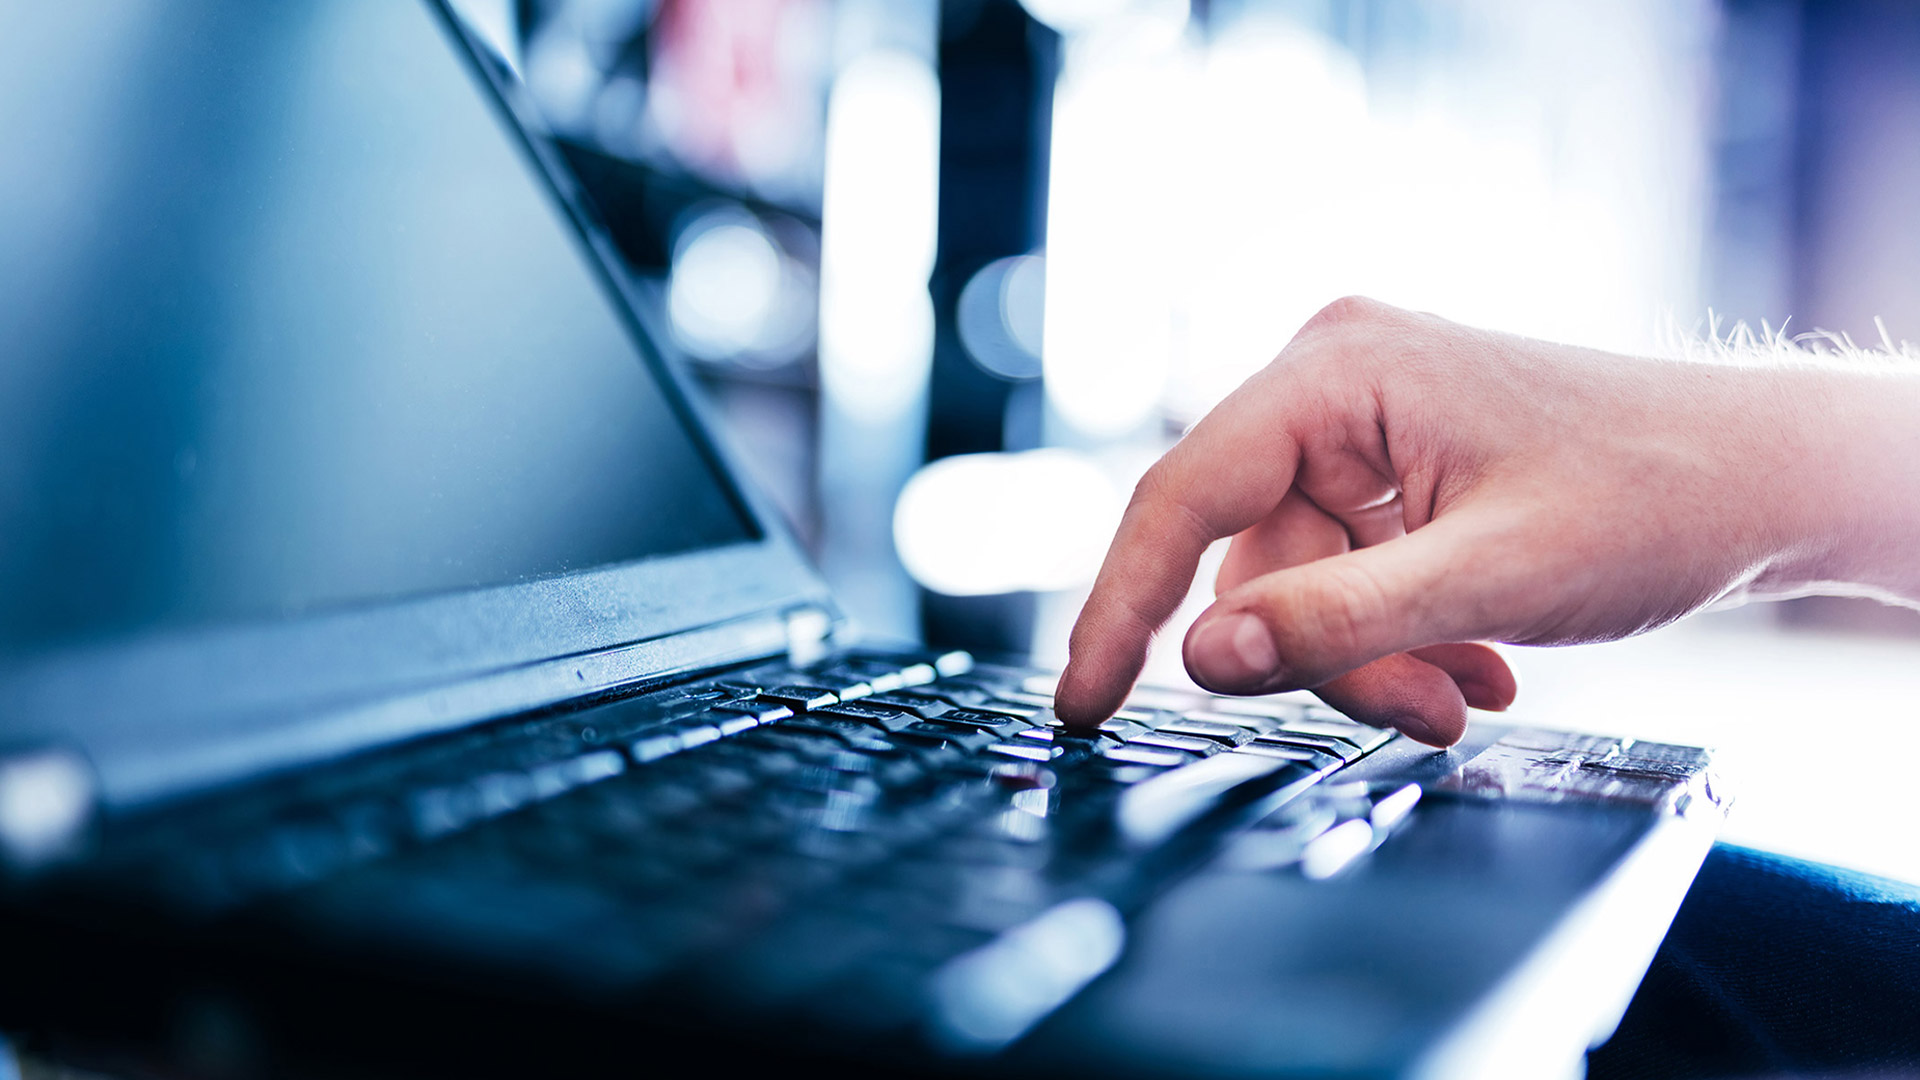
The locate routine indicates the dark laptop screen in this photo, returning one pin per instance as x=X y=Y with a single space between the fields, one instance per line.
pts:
x=286 y=323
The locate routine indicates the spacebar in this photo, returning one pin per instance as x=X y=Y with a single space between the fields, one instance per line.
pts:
x=1153 y=810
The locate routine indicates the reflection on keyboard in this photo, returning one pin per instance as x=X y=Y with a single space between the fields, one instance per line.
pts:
x=915 y=841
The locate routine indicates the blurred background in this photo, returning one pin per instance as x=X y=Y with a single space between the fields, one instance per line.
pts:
x=954 y=273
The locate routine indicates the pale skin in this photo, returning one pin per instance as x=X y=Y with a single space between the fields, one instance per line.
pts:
x=1401 y=490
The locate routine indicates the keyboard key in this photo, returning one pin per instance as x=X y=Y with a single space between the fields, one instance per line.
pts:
x=1271 y=708
x=1143 y=755
x=1226 y=734
x=1125 y=730
x=733 y=723
x=1367 y=739
x=1061 y=738
x=849 y=733
x=1150 y=812
x=844 y=682
x=557 y=777
x=653 y=747
x=848 y=691
x=933 y=733
x=1175 y=742
x=918 y=674
x=999 y=723
x=924 y=705
x=1339 y=748
x=800 y=698
x=683 y=695
x=1026 y=751
x=844 y=728
x=760 y=712
x=954 y=663
x=1316 y=758
x=1019 y=776
x=806 y=746
x=880 y=715
x=1258 y=725
x=880 y=676
x=694 y=733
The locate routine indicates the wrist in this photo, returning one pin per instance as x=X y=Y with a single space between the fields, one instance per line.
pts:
x=1846 y=502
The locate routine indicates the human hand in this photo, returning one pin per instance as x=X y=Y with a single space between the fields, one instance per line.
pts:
x=1400 y=488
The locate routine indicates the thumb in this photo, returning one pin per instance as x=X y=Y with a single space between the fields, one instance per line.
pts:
x=1308 y=624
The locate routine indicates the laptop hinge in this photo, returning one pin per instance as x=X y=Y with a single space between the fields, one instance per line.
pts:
x=810 y=634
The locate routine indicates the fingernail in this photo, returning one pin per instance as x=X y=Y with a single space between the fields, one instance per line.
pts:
x=1234 y=653
x=1415 y=727
x=1475 y=693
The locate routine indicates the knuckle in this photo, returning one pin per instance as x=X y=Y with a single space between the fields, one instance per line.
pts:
x=1337 y=341
x=1346 y=311
x=1161 y=491
x=1151 y=489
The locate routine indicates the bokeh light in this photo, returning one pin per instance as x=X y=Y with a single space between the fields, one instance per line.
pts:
x=1000 y=316
x=979 y=524
x=878 y=238
x=733 y=294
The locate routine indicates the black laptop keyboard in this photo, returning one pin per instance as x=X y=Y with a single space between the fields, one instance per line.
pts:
x=871 y=830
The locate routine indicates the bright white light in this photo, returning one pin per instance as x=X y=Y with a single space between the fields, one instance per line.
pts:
x=1121 y=113
x=493 y=21
x=46 y=799
x=1023 y=302
x=988 y=997
x=1207 y=196
x=980 y=524
x=1078 y=16
x=879 y=223
x=1292 y=214
x=724 y=286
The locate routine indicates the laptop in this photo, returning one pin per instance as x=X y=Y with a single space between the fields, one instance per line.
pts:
x=397 y=678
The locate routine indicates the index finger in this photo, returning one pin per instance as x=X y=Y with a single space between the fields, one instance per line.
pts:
x=1229 y=472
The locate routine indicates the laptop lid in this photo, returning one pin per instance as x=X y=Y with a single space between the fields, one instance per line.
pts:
x=324 y=420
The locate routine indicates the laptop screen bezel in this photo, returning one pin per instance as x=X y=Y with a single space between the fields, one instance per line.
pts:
x=168 y=714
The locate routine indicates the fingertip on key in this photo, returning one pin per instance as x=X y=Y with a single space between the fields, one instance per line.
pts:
x=1440 y=733
x=1078 y=708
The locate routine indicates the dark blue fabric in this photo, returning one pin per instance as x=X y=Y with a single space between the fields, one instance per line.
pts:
x=1777 y=967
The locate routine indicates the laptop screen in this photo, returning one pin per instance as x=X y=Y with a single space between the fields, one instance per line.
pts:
x=286 y=325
